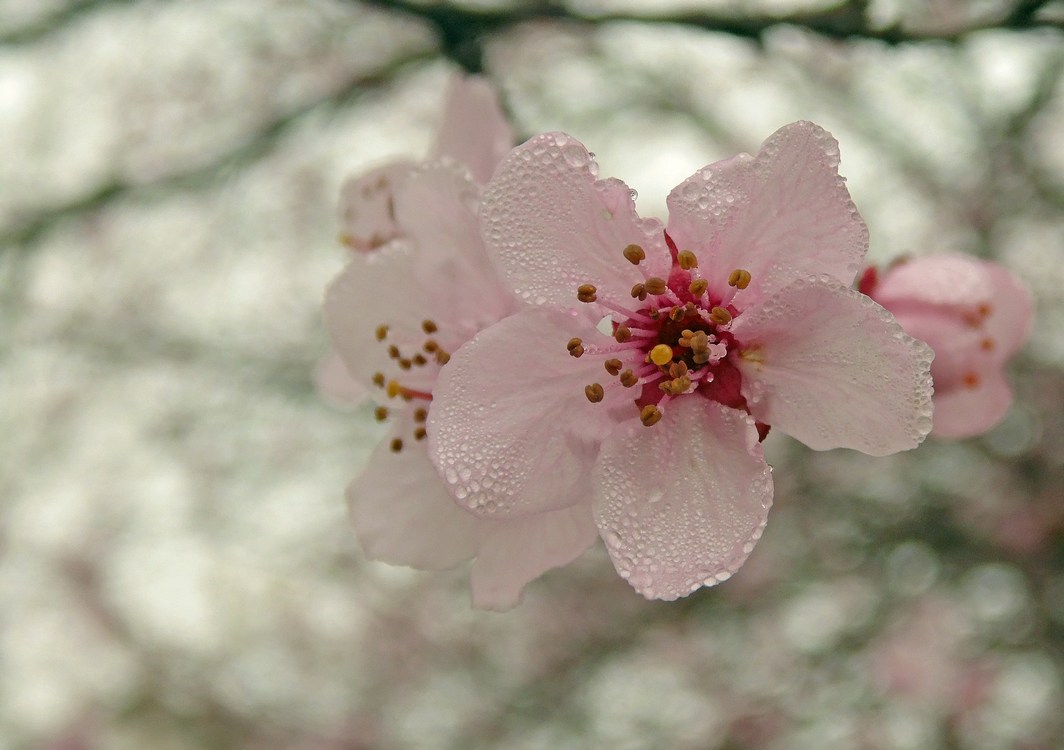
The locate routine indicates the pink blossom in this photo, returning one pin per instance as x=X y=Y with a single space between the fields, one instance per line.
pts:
x=395 y=316
x=474 y=132
x=648 y=363
x=975 y=315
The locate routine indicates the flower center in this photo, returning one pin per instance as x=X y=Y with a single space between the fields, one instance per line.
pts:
x=409 y=355
x=672 y=340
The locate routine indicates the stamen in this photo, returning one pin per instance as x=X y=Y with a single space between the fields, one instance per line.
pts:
x=987 y=345
x=661 y=354
x=420 y=433
x=984 y=309
x=575 y=347
x=420 y=415
x=687 y=260
x=677 y=314
x=650 y=415
x=594 y=393
x=380 y=413
x=404 y=363
x=393 y=351
x=720 y=316
x=429 y=326
x=430 y=346
x=382 y=332
x=397 y=445
x=678 y=369
x=639 y=292
x=378 y=379
x=698 y=287
x=655 y=285
x=419 y=360
x=676 y=386
x=442 y=357
x=394 y=389
x=635 y=254
x=622 y=334
x=739 y=278
x=613 y=366
x=586 y=293
x=971 y=380
x=628 y=378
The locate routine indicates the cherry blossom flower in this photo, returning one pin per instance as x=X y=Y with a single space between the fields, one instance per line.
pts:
x=475 y=133
x=975 y=315
x=649 y=363
x=395 y=316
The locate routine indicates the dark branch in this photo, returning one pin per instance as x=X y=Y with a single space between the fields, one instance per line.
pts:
x=463 y=30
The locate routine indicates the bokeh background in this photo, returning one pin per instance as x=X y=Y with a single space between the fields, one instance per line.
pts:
x=176 y=569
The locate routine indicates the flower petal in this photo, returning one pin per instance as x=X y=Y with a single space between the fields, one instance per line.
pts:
x=552 y=226
x=963 y=412
x=335 y=383
x=514 y=551
x=681 y=504
x=474 y=130
x=941 y=280
x=437 y=209
x=367 y=211
x=403 y=514
x=510 y=428
x=1012 y=314
x=782 y=215
x=830 y=367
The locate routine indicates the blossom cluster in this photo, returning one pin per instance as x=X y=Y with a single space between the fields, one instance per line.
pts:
x=555 y=369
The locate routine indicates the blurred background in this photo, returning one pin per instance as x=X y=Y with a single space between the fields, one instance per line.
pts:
x=176 y=569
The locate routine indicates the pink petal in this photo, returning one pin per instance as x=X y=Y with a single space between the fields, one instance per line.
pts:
x=510 y=428
x=782 y=215
x=552 y=226
x=335 y=383
x=962 y=412
x=941 y=280
x=403 y=514
x=367 y=211
x=681 y=504
x=1012 y=314
x=437 y=209
x=474 y=130
x=828 y=366
x=514 y=551
x=373 y=290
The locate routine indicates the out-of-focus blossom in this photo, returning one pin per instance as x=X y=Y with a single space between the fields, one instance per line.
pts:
x=474 y=132
x=395 y=316
x=650 y=362
x=975 y=315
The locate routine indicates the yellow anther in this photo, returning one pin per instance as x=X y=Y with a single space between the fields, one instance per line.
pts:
x=420 y=415
x=698 y=287
x=394 y=389
x=740 y=278
x=575 y=347
x=613 y=366
x=650 y=415
x=676 y=386
x=678 y=369
x=586 y=293
x=687 y=260
x=420 y=433
x=628 y=379
x=639 y=292
x=397 y=445
x=380 y=413
x=634 y=254
x=594 y=393
x=378 y=379
x=381 y=332
x=720 y=316
x=429 y=326
x=622 y=334
x=661 y=354
x=677 y=314
x=655 y=285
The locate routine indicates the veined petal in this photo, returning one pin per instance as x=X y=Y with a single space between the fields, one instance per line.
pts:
x=962 y=412
x=510 y=428
x=681 y=504
x=551 y=226
x=437 y=209
x=403 y=514
x=367 y=210
x=782 y=215
x=830 y=367
x=474 y=130
x=514 y=551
